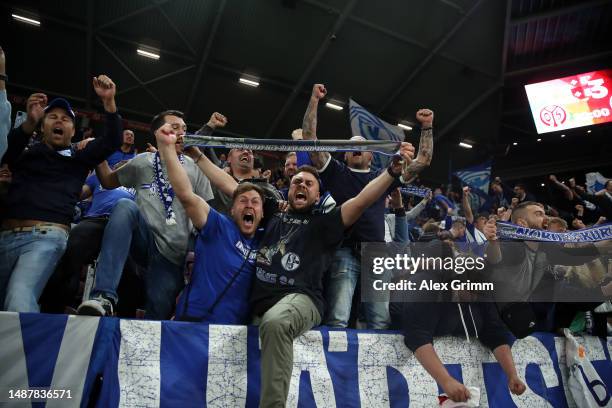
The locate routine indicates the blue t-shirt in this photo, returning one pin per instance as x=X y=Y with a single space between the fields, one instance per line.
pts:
x=220 y=252
x=104 y=200
x=118 y=156
x=345 y=183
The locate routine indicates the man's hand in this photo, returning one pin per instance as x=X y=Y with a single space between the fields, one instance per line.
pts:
x=150 y=148
x=318 y=91
x=466 y=190
x=35 y=107
x=515 y=202
x=490 y=230
x=553 y=178
x=455 y=390
x=105 y=88
x=578 y=224
x=193 y=152
x=395 y=199
x=297 y=134
x=81 y=145
x=601 y=220
x=425 y=117
x=579 y=209
x=267 y=174
x=516 y=386
x=217 y=120
x=429 y=196
x=406 y=154
x=572 y=182
x=165 y=136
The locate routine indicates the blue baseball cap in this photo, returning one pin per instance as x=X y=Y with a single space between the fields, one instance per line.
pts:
x=61 y=103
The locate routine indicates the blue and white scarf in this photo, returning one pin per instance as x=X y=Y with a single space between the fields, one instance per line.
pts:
x=164 y=189
x=415 y=190
x=591 y=234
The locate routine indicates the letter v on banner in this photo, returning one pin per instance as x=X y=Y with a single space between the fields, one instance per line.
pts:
x=371 y=127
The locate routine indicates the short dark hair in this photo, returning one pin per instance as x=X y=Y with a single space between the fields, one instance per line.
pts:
x=522 y=186
x=310 y=169
x=246 y=186
x=520 y=209
x=159 y=119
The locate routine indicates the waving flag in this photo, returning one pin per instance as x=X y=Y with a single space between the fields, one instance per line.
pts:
x=595 y=181
x=477 y=177
x=370 y=126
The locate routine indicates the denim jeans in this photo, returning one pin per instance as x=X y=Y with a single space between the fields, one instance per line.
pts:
x=127 y=232
x=27 y=260
x=343 y=277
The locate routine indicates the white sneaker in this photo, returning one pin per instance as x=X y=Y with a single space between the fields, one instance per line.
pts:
x=98 y=306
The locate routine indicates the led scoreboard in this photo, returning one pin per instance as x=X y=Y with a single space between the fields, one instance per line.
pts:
x=570 y=102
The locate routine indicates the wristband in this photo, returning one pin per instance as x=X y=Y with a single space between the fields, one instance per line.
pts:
x=199 y=157
x=395 y=176
x=428 y=128
x=4 y=77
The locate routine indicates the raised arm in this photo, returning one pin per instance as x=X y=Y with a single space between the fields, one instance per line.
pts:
x=418 y=209
x=353 y=208
x=196 y=208
x=95 y=151
x=216 y=120
x=425 y=154
x=467 y=208
x=217 y=176
x=567 y=192
x=309 y=125
x=18 y=138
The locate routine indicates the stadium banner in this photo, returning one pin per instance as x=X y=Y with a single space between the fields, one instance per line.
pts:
x=153 y=363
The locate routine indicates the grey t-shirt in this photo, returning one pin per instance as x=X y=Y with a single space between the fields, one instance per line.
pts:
x=171 y=240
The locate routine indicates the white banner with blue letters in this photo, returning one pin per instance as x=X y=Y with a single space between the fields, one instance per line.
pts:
x=152 y=364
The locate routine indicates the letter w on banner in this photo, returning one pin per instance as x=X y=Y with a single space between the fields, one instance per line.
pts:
x=477 y=177
x=370 y=126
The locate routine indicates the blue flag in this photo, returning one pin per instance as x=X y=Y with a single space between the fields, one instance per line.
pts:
x=364 y=123
x=476 y=177
x=595 y=182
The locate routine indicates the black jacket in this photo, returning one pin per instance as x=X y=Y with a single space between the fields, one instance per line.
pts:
x=46 y=185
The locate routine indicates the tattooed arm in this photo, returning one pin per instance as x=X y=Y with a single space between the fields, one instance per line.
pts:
x=423 y=159
x=309 y=125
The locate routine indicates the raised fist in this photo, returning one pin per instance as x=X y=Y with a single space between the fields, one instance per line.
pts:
x=552 y=178
x=318 y=91
x=104 y=87
x=217 y=120
x=515 y=202
x=466 y=190
x=425 y=117
x=35 y=106
x=165 y=135
x=490 y=229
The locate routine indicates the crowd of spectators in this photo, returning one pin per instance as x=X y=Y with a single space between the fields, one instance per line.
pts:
x=217 y=237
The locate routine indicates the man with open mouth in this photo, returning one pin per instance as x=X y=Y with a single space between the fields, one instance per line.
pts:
x=225 y=249
x=47 y=182
x=294 y=253
x=154 y=228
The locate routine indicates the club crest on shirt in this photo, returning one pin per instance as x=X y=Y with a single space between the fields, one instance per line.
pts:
x=290 y=261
